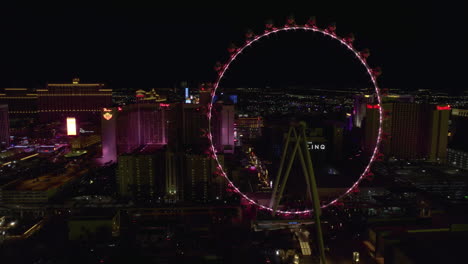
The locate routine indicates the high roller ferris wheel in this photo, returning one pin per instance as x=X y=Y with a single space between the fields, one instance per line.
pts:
x=346 y=42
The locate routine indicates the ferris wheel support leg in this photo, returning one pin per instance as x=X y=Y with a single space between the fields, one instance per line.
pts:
x=304 y=168
x=315 y=200
x=286 y=175
x=306 y=174
x=280 y=169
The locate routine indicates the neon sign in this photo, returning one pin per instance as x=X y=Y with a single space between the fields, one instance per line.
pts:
x=312 y=146
x=447 y=107
x=164 y=105
x=107 y=116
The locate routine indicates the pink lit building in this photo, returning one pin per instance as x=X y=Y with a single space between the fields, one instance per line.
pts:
x=222 y=127
x=124 y=129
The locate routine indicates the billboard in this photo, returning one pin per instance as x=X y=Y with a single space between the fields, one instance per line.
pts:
x=71 y=126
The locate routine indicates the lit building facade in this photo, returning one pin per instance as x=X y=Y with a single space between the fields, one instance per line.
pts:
x=140 y=177
x=361 y=101
x=459 y=129
x=359 y=109
x=457 y=158
x=371 y=127
x=187 y=125
x=84 y=141
x=416 y=131
x=4 y=127
x=81 y=100
x=222 y=127
x=439 y=128
x=40 y=189
x=22 y=102
x=126 y=128
x=248 y=127
x=200 y=183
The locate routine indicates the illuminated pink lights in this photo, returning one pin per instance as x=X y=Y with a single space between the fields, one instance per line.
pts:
x=361 y=56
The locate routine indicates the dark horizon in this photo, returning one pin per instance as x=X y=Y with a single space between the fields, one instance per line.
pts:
x=146 y=46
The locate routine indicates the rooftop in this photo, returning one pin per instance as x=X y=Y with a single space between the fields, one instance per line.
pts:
x=44 y=182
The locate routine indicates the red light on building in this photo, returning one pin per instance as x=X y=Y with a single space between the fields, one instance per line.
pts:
x=164 y=105
x=119 y=108
x=369 y=106
x=447 y=107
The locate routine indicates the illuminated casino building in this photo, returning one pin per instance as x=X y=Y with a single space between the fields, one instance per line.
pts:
x=4 y=127
x=81 y=100
x=22 y=102
x=126 y=128
x=413 y=131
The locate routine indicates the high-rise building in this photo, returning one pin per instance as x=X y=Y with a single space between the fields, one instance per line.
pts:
x=371 y=126
x=199 y=177
x=439 y=125
x=459 y=129
x=222 y=127
x=81 y=100
x=136 y=177
x=156 y=174
x=359 y=109
x=187 y=124
x=417 y=131
x=457 y=158
x=408 y=127
x=150 y=174
x=4 y=127
x=22 y=102
x=126 y=128
x=362 y=100
x=205 y=96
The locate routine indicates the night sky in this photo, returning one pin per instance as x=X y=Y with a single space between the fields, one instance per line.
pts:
x=417 y=45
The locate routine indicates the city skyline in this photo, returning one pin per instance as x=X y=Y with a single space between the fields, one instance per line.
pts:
x=136 y=133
